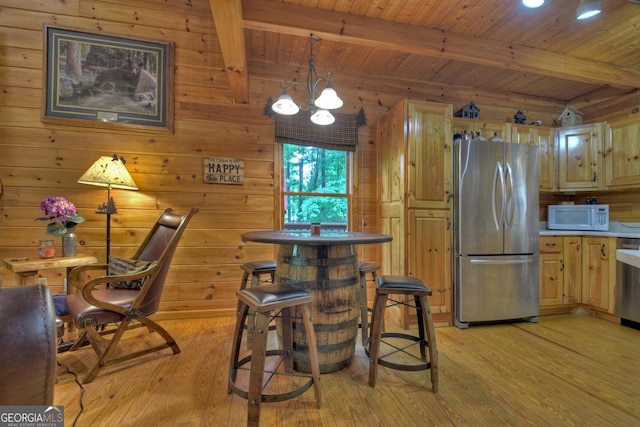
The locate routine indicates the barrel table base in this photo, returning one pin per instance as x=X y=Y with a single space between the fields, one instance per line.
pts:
x=331 y=274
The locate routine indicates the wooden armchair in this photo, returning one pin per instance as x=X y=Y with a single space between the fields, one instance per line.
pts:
x=98 y=303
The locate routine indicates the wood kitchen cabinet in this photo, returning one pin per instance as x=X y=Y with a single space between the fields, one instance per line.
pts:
x=414 y=181
x=577 y=270
x=598 y=272
x=560 y=270
x=579 y=152
x=430 y=256
x=551 y=271
x=622 y=153
x=544 y=138
x=486 y=128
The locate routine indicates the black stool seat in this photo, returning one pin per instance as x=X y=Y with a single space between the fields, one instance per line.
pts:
x=408 y=286
x=367 y=267
x=252 y=266
x=256 y=269
x=406 y=283
x=274 y=293
x=261 y=302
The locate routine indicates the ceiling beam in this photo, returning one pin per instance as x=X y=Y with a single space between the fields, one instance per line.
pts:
x=227 y=17
x=346 y=28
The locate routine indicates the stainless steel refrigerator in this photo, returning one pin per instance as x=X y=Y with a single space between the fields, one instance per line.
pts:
x=496 y=232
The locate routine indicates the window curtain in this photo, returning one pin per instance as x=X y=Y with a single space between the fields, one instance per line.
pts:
x=299 y=130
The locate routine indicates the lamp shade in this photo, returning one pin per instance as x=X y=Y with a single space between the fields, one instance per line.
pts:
x=108 y=171
x=328 y=99
x=285 y=105
x=322 y=118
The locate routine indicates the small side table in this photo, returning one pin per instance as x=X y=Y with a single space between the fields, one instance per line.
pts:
x=26 y=269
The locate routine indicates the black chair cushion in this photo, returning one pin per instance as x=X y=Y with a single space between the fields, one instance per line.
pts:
x=259 y=265
x=274 y=292
x=367 y=267
x=401 y=282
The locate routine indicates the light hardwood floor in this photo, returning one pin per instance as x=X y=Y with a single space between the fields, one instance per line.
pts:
x=566 y=370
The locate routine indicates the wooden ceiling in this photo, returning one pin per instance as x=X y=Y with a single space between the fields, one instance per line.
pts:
x=455 y=48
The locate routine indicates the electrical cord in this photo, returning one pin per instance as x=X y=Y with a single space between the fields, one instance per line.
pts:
x=75 y=376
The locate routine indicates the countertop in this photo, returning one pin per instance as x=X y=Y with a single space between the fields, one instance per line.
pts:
x=616 y=229
x=629 y=256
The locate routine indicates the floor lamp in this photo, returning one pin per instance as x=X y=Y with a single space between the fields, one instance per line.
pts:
x=110 y=172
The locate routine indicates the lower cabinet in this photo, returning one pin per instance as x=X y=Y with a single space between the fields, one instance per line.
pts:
x=577 y=270
x=560 y=270
x=599 y=269
x=430 y=255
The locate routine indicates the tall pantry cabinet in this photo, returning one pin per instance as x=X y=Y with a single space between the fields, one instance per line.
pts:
x=415 y=182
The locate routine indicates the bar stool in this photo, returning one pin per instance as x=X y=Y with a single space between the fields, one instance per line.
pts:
x=263 y=300
x=256 y=269
x=407 y=286
x=365 y=268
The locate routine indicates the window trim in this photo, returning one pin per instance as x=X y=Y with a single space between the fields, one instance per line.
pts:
x=278 y=178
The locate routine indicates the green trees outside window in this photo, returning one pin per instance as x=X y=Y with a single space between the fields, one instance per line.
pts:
x=315 y=185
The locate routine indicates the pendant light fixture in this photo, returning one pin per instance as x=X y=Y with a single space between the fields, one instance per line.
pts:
x=588 y=8
x=319 y=108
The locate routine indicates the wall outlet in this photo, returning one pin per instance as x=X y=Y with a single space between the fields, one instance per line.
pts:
x=42 y=281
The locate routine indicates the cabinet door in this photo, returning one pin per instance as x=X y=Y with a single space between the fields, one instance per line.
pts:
x=551 y=268
x=429 y=162
x=391 y=179
x=622 y=153
x=546 y=162
x=595 y=268
x=551 y=280
x=486 y=129
x=579 y=152
x=523 y=134
x=430 y=255
x=572 y=269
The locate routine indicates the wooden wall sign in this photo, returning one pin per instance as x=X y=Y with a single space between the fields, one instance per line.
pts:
x=222 y=170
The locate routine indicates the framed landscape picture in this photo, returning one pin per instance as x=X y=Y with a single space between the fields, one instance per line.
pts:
x=105 y=81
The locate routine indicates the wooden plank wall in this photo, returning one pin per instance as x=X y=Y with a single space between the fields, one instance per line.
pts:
x=38 y=160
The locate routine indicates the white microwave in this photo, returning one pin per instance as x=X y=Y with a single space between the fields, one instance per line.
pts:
x=578 y=217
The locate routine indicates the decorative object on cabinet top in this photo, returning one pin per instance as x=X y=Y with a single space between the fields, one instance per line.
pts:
x=570 y=116
x=469 y=111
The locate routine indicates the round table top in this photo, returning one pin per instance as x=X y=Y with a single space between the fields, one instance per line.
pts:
x=305 y=237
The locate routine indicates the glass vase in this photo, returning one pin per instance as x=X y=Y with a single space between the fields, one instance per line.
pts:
x=70 y=243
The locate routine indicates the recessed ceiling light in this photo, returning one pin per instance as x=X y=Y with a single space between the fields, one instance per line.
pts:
x=588 y=8
x=533 y=3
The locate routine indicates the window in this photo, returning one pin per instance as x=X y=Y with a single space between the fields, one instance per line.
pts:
x=315 y=186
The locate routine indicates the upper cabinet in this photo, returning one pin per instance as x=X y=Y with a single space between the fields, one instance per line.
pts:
x=622 y=153
x=429 y=147
x=541 y=136
x=579 y=151
x=544 y=138
x=486 y=129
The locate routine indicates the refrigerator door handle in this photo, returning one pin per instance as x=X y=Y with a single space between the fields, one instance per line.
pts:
x=488 y=261
x=510 y=204
x=498 y=174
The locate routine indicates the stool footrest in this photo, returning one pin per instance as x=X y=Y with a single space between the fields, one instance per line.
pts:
x=277 y=397
x=400 y=366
